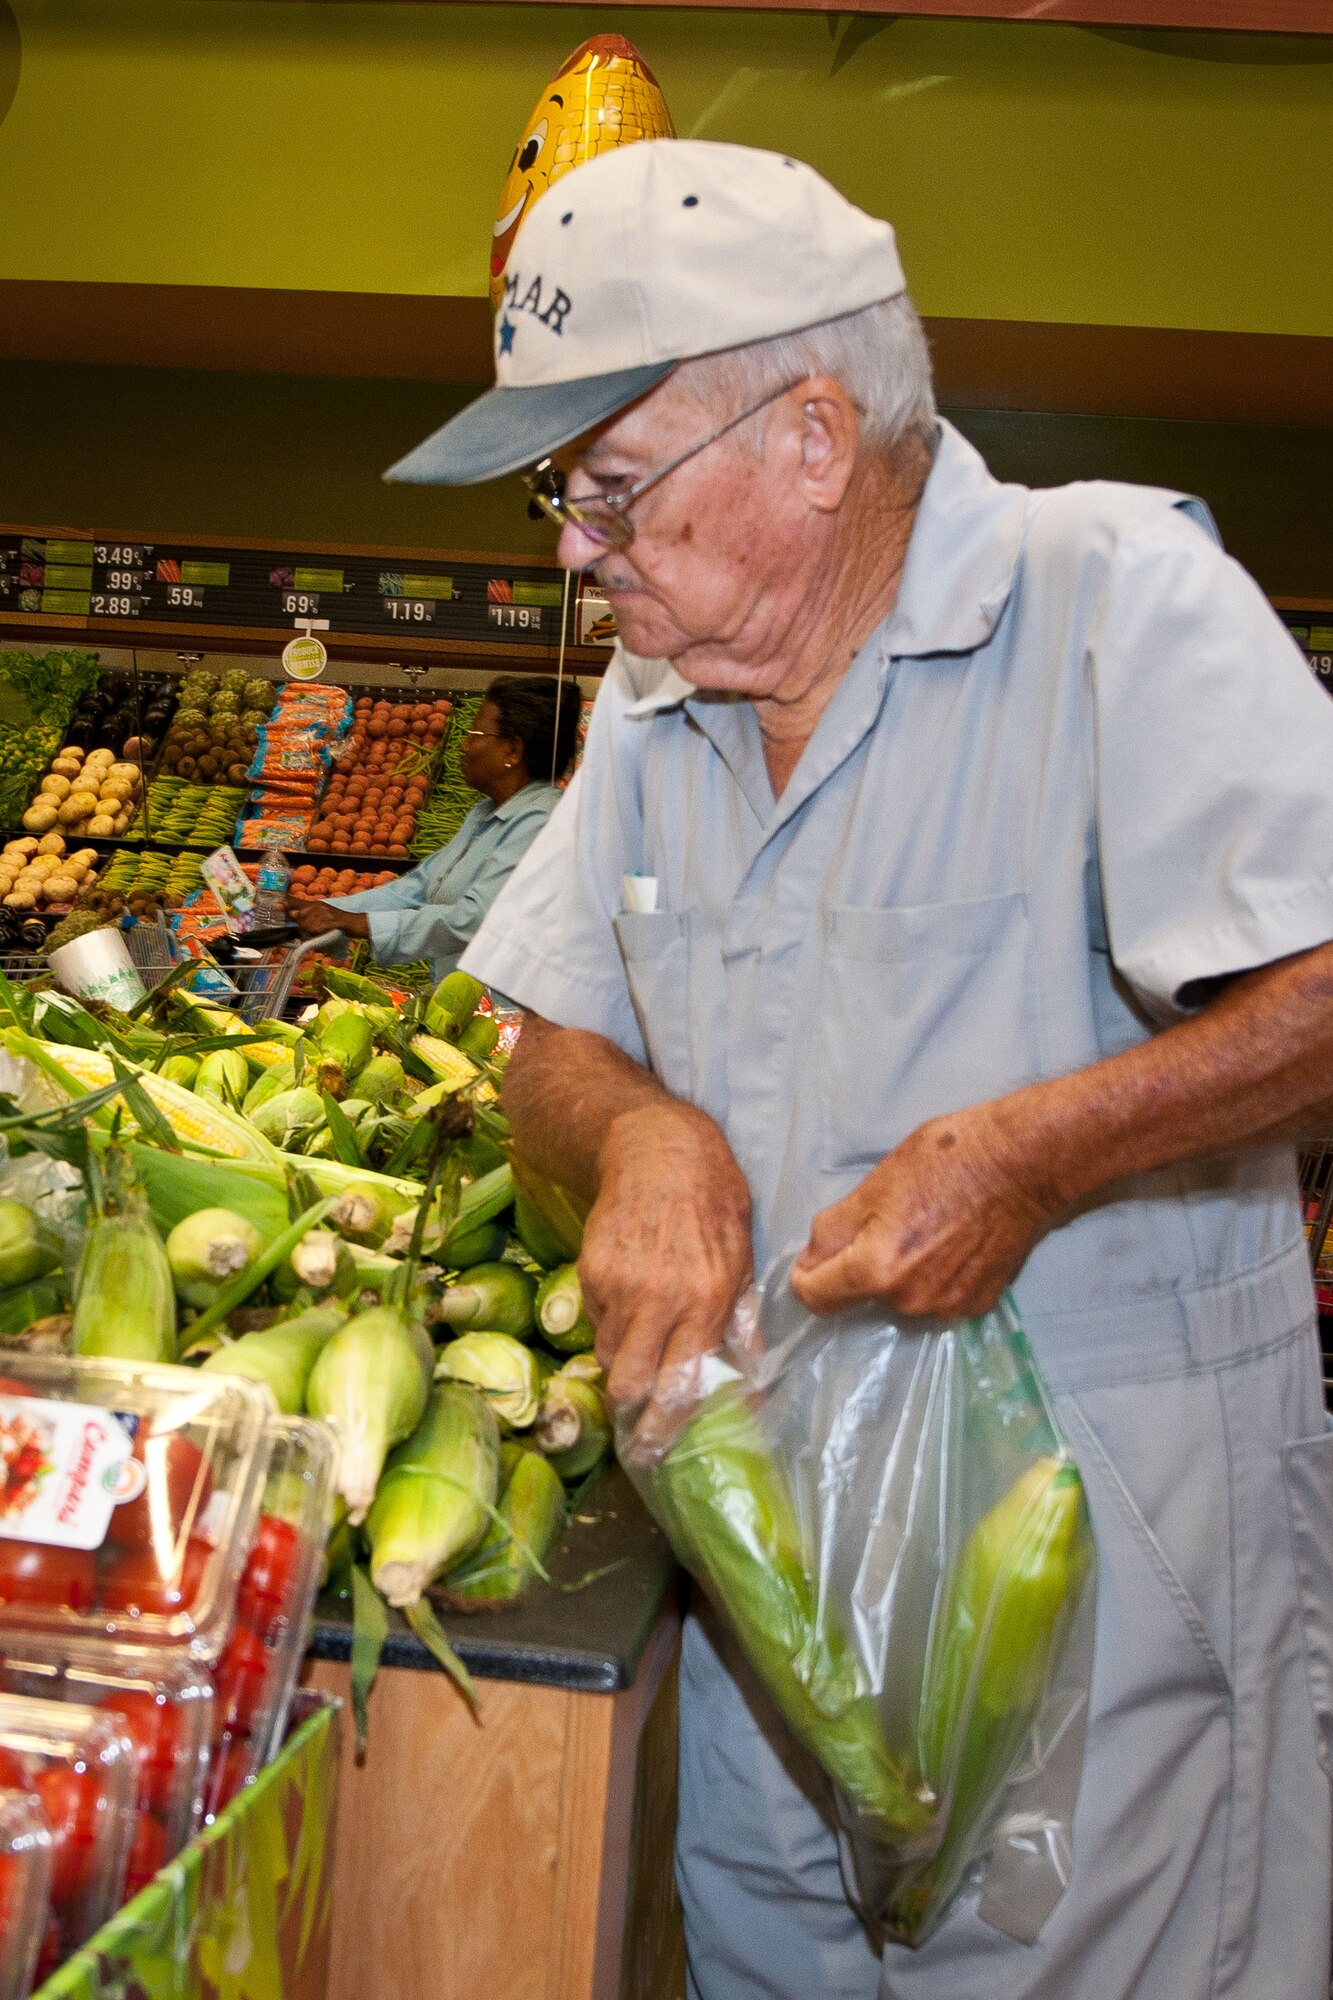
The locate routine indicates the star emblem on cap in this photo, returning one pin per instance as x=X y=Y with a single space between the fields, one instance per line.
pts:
x=507 y=332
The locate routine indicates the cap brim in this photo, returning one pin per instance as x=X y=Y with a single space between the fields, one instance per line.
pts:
x=509 y=428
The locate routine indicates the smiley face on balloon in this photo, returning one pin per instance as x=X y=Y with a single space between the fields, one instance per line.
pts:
x=604 y=95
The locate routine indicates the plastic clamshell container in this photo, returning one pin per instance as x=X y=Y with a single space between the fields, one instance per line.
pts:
x=82 y=1770
x=25 y=1890
x=257 y=1674
x=163 y=1702
x=128 y=1499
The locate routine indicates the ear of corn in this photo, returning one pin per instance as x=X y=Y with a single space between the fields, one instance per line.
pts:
x=573 y=1427
x=508 y=1374
x=281 y=1356
x=496 y=1297
x=380 y=1080
x=180 y=1069
x=177 y=1186
x=725 y=1504
x=372 y=1381
x=445 y=1061
x=124 y=1300
x=28 y=1248
x=483 y=1243
x=223 y=1076
x=531 y=1520
x=560 y=1315
x=211 y=1244
x=345 y=1047
x=548 y=1218
x=434 y=1501
x=452 y=1004
x=261 y=1057
x=195 y=1121
x=270 y=1083
x=480 y=1037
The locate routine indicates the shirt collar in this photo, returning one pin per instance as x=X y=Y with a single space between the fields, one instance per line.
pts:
x=523 y=802
x=957 y=578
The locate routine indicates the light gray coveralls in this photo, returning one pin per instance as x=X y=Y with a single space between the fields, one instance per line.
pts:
x=1080 y=768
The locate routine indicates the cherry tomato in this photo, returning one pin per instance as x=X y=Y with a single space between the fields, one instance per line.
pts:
x=241 y=1679
x=11 y=1386
x=178 y=1484
x=148 y=1853
x=74 y=1803
x=153 y=1727
x=227 y=1773
x=51 y=1953
x=270 y=1573
x=39 y=1573
x=133 y=1582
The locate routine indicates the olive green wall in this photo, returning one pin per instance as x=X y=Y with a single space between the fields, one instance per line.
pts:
x=124 y=450
x=1034 y=172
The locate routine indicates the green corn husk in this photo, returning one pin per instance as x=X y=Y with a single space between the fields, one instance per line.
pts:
x=211 y=1245
x=479 y=1037
x=180 y=1069
x=434 y=1501
x=21 y=1306
x=177 y=1186
x=281 y=1356
x=268 y=1084
x=224 y=1076
x=290 y=1118
x=345 y=1047
x=381 y=1080
x=325 y=1016
x=452 y=1005
x=496 y=1298
x=482 y=1244
x=532 y=1515
x=124 y=1299
x=725 y=1505
x=573 y=1427
x=28 y=1247
x=561 y=1320
x=278 y=1031
x=370 y=1204
x=345 y=985
x=372 y=1381
x=507 y=1373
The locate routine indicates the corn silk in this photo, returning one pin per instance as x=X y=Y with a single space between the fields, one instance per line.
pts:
x=893 y=1524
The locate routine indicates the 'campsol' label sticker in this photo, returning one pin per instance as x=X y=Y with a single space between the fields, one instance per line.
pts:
x=64 y=1468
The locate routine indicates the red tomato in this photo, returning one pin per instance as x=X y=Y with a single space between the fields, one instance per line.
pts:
x=51 y=1953
x=13 y=1772
x=133 y=1582
x=38 y=1573
x=73 y=1800
x=148 y=1853
x=227 y=1773
x=11 y=1386
x=241 y=1677
x=153 y=1727
x=270 y=1573
x=177 y=1489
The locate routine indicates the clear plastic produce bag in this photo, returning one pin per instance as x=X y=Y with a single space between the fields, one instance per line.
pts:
x=893 y=1524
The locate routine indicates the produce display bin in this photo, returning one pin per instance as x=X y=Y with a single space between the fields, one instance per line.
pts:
x=244 y=1912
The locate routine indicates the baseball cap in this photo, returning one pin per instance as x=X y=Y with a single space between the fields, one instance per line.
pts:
x=641 y=258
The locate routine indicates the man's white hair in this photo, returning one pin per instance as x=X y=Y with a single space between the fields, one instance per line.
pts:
x=878 y=354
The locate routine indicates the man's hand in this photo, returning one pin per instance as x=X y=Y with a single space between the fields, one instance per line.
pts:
x=313 y=919
x=937 y=1229
x=666 y=1254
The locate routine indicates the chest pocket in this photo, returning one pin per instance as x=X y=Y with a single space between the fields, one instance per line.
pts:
x=926 y=1009
x=655 y=948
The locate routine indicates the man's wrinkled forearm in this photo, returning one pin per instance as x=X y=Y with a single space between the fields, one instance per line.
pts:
x=1254 y=1067
x=563 y=1090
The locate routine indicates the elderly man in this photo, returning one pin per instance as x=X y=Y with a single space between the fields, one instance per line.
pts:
x=980 y=938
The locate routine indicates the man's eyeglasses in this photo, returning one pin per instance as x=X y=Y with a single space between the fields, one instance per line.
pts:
x=604 y=517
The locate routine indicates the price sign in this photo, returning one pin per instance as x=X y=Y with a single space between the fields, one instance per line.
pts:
x=300 y=603
x=124 y=579
x=117 y=603
x=121 y=555
x=410 y=610
x=515 y=617
x=1321 y=665
x=305 y=659
x=185 y=597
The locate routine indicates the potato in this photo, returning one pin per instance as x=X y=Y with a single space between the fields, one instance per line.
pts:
x=78 y=807
x=20 y=899
x=51 y=843
x=40 y=819
x=42 y=864
x=126 y=773
x=61 y=888
x=64 y=767
x=115 y=788
x=102 y=827
x=55 y=788
x=87 y=855
x=23 y=848
x=122 y=821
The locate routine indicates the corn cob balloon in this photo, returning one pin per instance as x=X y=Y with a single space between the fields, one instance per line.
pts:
x=604 y=95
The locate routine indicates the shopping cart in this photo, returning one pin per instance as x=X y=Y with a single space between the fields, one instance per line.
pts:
x=258 y=966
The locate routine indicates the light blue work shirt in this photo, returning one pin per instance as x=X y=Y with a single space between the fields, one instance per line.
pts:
x=1079 y=772
x=434 y=910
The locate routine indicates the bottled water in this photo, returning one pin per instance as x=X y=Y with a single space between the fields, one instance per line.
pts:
x=271 y=890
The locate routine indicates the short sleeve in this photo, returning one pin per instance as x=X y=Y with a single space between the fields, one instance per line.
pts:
x=1213 y=770
x=548 y=941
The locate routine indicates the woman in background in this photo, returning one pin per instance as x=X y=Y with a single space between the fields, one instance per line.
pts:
x=520 y=742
